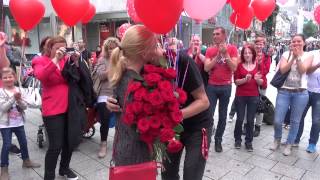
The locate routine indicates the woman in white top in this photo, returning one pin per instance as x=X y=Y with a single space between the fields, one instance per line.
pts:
x=314 y=103
x=293 y=93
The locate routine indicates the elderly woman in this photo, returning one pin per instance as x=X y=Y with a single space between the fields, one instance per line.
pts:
x=293 y=93
x=104 y=91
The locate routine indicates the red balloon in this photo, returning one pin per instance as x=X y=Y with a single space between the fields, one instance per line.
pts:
x=239 y=5
x=263 y=8
x=317 y=14
x=159 y=16
x=132 y=11
x=89 y=14
x=70 y=11
x=27 y=13
x=242 y=19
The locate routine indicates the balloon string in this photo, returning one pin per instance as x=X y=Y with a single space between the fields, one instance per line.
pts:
x=23 y=49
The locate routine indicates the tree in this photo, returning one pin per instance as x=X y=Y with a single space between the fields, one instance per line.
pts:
x=310 y=29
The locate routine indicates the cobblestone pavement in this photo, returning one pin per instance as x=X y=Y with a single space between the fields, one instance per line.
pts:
x=261 y=164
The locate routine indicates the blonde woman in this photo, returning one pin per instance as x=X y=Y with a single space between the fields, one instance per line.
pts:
x=104 y=91
x=138 y=47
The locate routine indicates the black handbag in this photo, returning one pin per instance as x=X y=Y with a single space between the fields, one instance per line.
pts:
x=279 y=78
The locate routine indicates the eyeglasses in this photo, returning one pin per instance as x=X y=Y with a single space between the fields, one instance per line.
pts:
x=216 y=34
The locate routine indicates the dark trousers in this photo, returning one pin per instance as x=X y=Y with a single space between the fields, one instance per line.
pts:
x=57 y=128
x=104 y=115
x=314 y=102
x=243 y=102
x=233 y=109
x=221 y=93
x=7 y=138
x=194 y=163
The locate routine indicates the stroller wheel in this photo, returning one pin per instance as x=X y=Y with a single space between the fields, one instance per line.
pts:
x=89 y=133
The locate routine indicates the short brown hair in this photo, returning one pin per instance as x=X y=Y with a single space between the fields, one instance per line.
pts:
x=55 y=40
x=223 y=31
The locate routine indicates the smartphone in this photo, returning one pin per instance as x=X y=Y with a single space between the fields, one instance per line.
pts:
x=70 y=49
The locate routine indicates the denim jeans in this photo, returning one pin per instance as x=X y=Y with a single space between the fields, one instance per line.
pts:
x=104 y=115
x=57 y=127
x=314 y=103
x=233 y=109
x=7 y=138
x=221 y=93
x=194 y=163
x=297 y=101
x=244 y=103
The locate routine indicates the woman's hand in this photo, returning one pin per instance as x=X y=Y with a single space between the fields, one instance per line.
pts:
x=17 y=96
x=75 y=56
x=248 y=77
x=257 y=76
x=113 y=105
x=59 y=55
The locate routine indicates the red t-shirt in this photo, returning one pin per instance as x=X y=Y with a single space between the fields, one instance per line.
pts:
x=249 y=88
x=221 y=74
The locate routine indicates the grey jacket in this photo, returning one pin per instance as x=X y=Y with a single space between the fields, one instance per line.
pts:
x=6 y=102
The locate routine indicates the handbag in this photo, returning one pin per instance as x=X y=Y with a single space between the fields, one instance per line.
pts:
x=142 y=171
x=33 y=97
x=96 y=80
x=279 y=78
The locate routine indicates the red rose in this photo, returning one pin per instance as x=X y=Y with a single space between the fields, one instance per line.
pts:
x=165 y=86
x=149 y=68
x=155 y=122
x=170 y=73
x=176 y=116
x=133 y=86
x=154 y=132
x=152 y=78
x=174 y=146
x=166 y=134
x=148 y=108
x=166 y=122
x=143 y=125
x=167 y=96
x=182 y=96
x=154 y=98
x=173 y=106
x=147 y=138
x=137 y=107
x=128 y=118
x=139 y=94
x=129 y=108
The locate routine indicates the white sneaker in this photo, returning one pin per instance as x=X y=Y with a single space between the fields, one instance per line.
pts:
x=275 y=145
x=230 y=120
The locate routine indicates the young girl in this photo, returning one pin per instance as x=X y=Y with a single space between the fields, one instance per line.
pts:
x=12 y=119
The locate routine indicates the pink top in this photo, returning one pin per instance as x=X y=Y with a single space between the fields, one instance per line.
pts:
x=54 y=87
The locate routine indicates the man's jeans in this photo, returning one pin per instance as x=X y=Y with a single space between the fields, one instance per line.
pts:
x=221 y=93
x=7 y=138
x=314 y=103
x=194 y=163
x=244 y=103
x=297 y=101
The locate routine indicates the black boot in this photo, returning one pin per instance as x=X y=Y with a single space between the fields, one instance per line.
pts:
x=256 y=132
x=218 y=146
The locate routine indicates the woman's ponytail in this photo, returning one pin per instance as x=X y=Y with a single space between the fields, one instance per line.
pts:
x=117 y=66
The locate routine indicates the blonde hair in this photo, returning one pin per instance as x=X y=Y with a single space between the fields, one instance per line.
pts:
x=107 y=43
x=7 y=70
x=136 y=42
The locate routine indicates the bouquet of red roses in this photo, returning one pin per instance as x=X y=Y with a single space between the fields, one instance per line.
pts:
x=153 y=108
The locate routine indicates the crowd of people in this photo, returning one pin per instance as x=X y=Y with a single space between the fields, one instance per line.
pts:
x=74 y=80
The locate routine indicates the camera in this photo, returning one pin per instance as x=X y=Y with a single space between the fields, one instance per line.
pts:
x=70 y=50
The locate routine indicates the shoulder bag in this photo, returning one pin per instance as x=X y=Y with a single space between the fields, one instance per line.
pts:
x=279 y=78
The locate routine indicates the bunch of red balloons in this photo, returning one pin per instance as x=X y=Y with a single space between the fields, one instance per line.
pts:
x=243 y=12
x=28 y=13
x=317 y=14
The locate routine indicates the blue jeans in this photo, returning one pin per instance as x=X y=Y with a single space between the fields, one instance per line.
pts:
x=314 y=102
x=221 y=93
x=243 y=103
x=297 y=101
x=7 y=138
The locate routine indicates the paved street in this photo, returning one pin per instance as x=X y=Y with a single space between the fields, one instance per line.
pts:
x=261 y=164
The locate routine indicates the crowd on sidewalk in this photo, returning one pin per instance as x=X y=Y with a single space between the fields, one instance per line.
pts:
x=72 y=81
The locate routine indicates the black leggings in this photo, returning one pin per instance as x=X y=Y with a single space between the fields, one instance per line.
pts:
x=104 y=115
x=57 y=128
